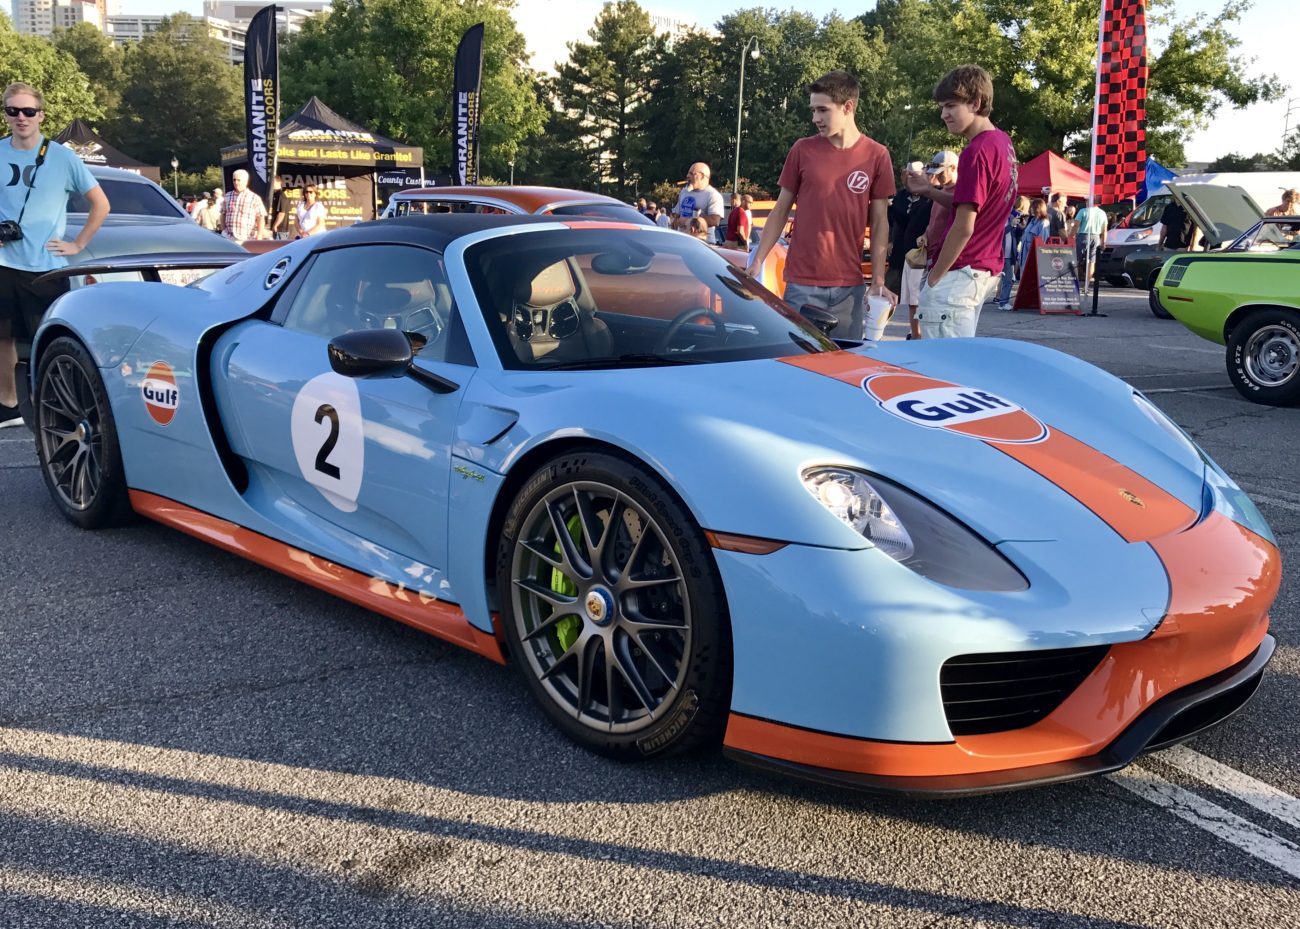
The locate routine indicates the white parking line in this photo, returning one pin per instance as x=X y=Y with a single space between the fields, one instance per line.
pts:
x=1245 y=835
x=1264 y=797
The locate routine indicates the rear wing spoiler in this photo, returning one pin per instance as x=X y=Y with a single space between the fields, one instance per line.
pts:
x=149 y=265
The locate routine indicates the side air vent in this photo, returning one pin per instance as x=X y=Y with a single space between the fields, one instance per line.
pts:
x=1001 y=691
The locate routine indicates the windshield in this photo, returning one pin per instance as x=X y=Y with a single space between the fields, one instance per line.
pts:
x=131 y=198
x=1270 y=236
x=618 y=211
x=604 y=298
x=1148 y=212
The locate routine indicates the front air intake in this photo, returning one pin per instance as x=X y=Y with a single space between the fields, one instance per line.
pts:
x=1001 y=691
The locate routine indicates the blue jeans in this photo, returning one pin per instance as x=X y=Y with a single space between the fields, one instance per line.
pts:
x=1008 y=278
x=844 y=302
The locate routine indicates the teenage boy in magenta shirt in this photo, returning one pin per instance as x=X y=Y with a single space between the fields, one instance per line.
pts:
x=968 y=264
x=842 y=181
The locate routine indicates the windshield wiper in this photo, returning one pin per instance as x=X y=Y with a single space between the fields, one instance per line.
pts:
x=634 y=360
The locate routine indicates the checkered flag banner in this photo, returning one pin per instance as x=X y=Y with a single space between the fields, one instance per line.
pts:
x=1120 y=135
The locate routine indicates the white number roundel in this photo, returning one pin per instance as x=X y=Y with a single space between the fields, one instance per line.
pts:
x=328 y=438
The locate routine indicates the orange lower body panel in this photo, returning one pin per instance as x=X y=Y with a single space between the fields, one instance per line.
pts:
x=1223 y=579
x=428 y=614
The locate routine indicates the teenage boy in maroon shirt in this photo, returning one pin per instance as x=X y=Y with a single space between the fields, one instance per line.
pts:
x=842 y=181
x=968 y=265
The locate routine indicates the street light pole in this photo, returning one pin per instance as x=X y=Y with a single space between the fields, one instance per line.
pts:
x=512 y=172
x=176 y=184
x=740 y=104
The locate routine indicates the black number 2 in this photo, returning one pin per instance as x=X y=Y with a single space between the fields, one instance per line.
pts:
x=323 y=412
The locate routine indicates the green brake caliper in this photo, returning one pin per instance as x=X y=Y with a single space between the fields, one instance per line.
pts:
x=566 y=630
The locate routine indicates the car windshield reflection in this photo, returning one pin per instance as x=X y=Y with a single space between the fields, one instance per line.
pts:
x=611 y=298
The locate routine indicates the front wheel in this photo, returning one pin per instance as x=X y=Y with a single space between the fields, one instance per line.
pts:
x=1264 y=357
x=76 y=438
x=613 y=608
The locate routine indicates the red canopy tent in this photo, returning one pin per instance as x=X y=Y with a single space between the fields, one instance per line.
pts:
x=1051 y=170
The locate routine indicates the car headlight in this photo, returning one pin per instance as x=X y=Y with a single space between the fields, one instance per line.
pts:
x=1142 y=234
x=912 y=531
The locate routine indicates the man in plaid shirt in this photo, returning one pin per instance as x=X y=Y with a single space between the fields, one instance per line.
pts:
x=243 y=214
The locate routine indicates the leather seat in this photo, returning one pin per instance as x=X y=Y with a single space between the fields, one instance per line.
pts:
x=558 y=327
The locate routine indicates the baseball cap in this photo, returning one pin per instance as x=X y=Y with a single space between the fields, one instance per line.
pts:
x=941 y=160
x=216 y=191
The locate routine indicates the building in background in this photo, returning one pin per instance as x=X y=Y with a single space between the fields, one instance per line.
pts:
x=289 y=17
x=42 y=17
x=126 y=28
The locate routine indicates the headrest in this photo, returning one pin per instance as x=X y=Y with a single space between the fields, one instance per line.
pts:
x=551 y=285
x=385 y=299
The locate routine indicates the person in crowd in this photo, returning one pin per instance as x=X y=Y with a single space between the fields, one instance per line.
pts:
x=967 y=266
x=841 y=180
x=903 y=204
x=652 y=211
x=1012 y=233
x=311 y=213
x=1038 y=227
x=1092 y=222
x=663 y=219
x=1071 y=222
x=1056 y=216
x=698 y=226
x=641 y=206
x=1290 y=205
x=737 y=223
x=44 y=174
x=1179 y=228
x=935 y=182
x=280 y=210
x=208 y=215
x=243 y=215
x=698 y=198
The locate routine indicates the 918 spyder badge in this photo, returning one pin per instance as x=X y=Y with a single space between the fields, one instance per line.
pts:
x=970 y=411
x=161 y=395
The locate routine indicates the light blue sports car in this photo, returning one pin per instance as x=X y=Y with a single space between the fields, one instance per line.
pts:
x=600 y=452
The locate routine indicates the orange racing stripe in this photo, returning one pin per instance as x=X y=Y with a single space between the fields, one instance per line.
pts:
x=428 y=614
x=1130 y=504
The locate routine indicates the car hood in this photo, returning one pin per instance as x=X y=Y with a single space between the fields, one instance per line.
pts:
x=1073 y=444
x=1221 y=213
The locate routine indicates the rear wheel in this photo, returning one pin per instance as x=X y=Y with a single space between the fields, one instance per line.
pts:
x=1153 y=298
x=1264 y=357
x=76 y=438
x=1115 y=281
x=613 y=608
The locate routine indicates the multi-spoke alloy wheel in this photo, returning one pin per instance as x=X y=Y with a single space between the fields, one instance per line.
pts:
x=613 y=607
x=1264 y=357
x=76 y=438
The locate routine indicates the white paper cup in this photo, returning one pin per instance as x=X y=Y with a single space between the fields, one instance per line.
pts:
x=879 y=309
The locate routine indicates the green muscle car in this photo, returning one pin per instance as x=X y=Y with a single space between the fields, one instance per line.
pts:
x=1246 y=297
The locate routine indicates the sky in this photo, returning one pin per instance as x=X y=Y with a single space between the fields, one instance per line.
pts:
x=1267 y=33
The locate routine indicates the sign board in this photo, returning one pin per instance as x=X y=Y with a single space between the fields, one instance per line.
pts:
x=1049 y=282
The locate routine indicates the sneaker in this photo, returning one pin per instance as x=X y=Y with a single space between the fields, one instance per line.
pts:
x=1004 y=307
x=9 y=416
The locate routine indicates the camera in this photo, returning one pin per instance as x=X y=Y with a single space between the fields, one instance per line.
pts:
x=10 y=231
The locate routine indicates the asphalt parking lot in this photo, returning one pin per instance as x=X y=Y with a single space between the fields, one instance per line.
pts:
x=187 y=739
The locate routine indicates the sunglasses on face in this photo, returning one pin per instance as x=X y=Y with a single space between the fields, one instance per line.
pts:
x=28 y=111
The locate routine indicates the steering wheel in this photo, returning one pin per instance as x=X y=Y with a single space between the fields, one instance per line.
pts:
x=663 y=345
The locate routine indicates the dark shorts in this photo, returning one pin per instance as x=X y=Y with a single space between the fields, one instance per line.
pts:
x=22 y=303
x=1086 y=246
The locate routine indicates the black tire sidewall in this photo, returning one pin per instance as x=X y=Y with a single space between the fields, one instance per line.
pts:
x=1157 y=308
x=1286 y=395
x=698 y=713
x=111 y=505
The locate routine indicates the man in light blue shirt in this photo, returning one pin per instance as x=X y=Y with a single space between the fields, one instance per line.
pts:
x=36 y=177
x=1092 y=222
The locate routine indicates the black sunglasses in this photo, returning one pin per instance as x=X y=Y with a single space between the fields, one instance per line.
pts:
x=28 y=111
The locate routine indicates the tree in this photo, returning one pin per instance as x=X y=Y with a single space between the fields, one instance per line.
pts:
x=388 y=65
x=181 y=96
x=35 y=61
x=1260 y=161
x=608 y=82
x=99 y=59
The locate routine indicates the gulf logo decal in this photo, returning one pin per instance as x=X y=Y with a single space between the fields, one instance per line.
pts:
x=937 y=404
x=161 y=395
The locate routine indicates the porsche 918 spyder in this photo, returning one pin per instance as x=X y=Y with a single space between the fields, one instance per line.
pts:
x=602 y=453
